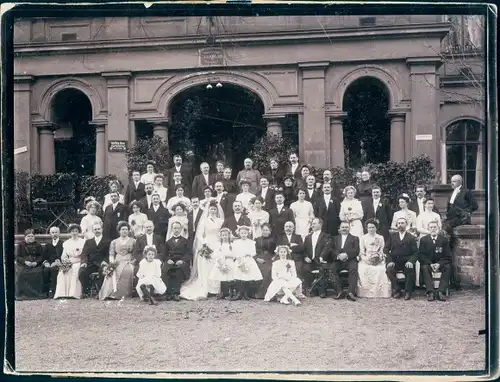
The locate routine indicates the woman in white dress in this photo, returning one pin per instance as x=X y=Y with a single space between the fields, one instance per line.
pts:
x=199 y=286
x=246 y=270
x=245 y=196
x=137 y=219
x=160 y=189
x=180 y=216
x=178 y=198
x=258 y=216
x=90 y=219
x=149 y=276
x=351 y=211
x=223 y=271
x=207 y=197
x=68 y=283
x=285 y=280
x=372 y=279
x=427 y=216
x=404 y=212
x=114 y=185
x=304 y=214
x=149 y=176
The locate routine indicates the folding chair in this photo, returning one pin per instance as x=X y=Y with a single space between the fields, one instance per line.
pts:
x=94 y=284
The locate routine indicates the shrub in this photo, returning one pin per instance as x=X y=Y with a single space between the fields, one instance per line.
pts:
x=271 y=146
x=22 y=204
x=151 y=149
x=96 y=186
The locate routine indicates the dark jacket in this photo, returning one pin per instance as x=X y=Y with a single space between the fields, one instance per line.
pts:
x=323 y=247
x=383 y=215
x=231 y=223
x=111 y=219
x=29 y=252
x=413 y=206
x=175 y=251
x=51 y=253
x=186 y=173
x=199 y=184
x=141 y=242
x=401 y=251
x=463 y=206
x=297 y=250
x=430 y=253
x=269 y=201
x=329 y=215
x=192 y=227
x=351 y=247
x=132 y=193
x=95 y=254
x=160 y=219
x=278 y=220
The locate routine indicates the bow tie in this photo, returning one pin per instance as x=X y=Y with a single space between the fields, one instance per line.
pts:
x=434 y=238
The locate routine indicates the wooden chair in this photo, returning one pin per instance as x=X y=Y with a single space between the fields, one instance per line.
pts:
x=94 y=284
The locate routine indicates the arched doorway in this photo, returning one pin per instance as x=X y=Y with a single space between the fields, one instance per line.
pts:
x=75 y=142
x=216 y=122
x=367 y=127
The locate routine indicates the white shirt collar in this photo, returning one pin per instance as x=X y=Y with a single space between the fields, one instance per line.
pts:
x=114 y=205
x=98 y=239
x=54 y=242
x=316 y=233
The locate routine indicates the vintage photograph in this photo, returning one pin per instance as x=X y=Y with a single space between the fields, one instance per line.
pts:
x=250 y=193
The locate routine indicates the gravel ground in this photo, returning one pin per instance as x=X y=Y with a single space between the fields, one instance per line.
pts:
x=322 y=334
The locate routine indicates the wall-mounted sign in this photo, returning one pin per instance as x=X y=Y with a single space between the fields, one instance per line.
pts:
x=117 y=146
x=20 y=150
x=211 y=56
x=423 y=137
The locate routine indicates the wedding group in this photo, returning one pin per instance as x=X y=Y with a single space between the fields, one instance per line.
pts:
x=275 y=234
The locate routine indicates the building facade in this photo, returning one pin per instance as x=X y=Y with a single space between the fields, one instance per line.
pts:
x=130 y=69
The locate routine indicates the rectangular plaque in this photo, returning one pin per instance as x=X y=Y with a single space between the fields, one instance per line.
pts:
x=20 y=150
x=211 y=56
x=423 y=137
x=117 y=146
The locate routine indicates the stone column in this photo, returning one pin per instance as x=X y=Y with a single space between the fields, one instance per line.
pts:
x=100 y=150
x=132 y=136
x=424 y=101
x=160 y=128
x=397 y=136
x=313 y=129
x=23 y=135
x=337 y=155
x=47 y=148
x=274 y=125
x=117 y=128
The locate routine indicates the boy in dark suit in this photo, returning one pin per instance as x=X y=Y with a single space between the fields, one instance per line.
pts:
x=135 y=189
x=113 y=214
x=95 y=252
x=279 y=215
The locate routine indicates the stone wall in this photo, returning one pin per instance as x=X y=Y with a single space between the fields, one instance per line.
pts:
x=470 y=253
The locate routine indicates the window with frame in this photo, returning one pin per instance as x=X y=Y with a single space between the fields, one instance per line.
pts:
x=464 y=152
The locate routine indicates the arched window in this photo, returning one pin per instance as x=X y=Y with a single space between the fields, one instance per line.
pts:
x=464 y=152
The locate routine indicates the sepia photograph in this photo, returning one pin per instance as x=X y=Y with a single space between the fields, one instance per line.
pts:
x=267 y=192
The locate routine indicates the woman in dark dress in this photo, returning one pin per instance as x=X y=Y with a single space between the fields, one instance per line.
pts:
x=289 y=191
x=275 y=174
x=364 y=188
x=264 y=247
x=29 y=269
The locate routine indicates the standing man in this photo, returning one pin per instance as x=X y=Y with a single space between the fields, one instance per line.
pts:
x=222 y=198
x=250 y=174
x=147 y=201
x=327 y=208
x=113 y=214
x=176 y=180
x=312 y=193
x=376 y=208
x=202 y=180
x=230 y=185
x=184 y=170
x=236 y=219
x=194 y=217
x=219 y=166
x=294 y=166
x=159 y=215
x=328 y=178
x=418 y=205
x=266 y=193
x=135 y=189
x=279 y=215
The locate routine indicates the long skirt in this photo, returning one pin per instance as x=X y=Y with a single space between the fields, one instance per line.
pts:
x=302 y=227
x=68 y=283
x=373 y=281
x=216 y=274
x=356 y=228
x=121 y=279
x=265 y=270
x=293 y=284
x=250 y=272
x=29 y=283
x=157 y=283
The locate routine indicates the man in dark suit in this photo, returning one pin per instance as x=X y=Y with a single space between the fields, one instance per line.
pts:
x=222 y=198
x=327 y=208
x=95 y=253
x=230 y=185
x=174 y=182
x=159 y=215
x=177 y=257
x=460 y=207
x=293 y=166
x=135 y=189
x=275 y=174
x=434 y=255
x=52 y=258
x=202 y=180
x=147 y=200
x=185 y=171
x=149 y=238
x=279 y=215
x=194 y=217
x=295 y=242
x=418 y=205
x=328 y=178
x=237 y=218
x=401 y=251
x=312 y=193
x=345 y=257
x=379 y=209
x=266 y=193
x=219 y=167
x=317 y=248
x=113 y=214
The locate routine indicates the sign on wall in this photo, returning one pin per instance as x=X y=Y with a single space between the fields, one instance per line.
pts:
x=117 y=146
x=423 y=137
x=211 y=56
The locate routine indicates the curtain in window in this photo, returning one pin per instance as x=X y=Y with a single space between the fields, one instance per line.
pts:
x=479 y=163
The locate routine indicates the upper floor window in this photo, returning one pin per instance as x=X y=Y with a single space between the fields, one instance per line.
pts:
x=466 y=35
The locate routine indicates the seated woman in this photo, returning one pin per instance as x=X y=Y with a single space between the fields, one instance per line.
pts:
x=264 y=247
x=246 y=270
x=68 y=282
x=119 y=273
x=178 y=198
x=351 y=211
x=29 y=269
x=245 y=196
x=137 y=219
x=404 y=212
x=114 y=186
x=88 y=220
x=149 y=176
x=257 y=216
x=223 y=271
x=149 y=276
x=285 y=278
x=160 y=189
x=372 y=279
x=180 y=216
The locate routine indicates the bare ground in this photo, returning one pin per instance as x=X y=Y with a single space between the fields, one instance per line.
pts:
x=323 y=334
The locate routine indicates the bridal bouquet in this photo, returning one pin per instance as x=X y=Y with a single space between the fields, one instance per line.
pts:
x=222 y=266
x=65 y=265
x=109 y=269
x=374 y=259
x=205 y=252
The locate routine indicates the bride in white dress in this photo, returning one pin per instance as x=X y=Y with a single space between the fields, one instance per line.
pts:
x=351 y=211
x=199 y=286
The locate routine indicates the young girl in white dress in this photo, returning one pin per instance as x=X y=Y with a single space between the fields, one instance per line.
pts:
x=149 y=176
x=90 y=219
x=223 y=271
x=258 y=217
x=304 y=214
x=246 y=270
x=149 y=276
x=372 y=279
x=114 y=185
x=285 y=280
x=351 y=211
x=245 y=196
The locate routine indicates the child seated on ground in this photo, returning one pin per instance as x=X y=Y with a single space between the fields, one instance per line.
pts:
x=149 y=275
x=223 y=270
x=285 y=280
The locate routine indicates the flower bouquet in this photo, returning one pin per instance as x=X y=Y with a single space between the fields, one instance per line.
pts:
x=109 y=271
x=222 y=266
x=65 y=265
x=374 y=259
x=242 y=265
x=205 y=251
